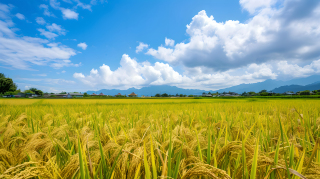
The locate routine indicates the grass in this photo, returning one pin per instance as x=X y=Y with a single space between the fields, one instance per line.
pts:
x=159 y=138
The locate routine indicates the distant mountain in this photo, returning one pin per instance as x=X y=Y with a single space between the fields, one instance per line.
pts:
x=301 y=84
x=151 y=91
x=269 y=85
x=296 y=88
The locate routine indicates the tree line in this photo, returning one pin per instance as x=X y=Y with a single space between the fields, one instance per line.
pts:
x=8 y=87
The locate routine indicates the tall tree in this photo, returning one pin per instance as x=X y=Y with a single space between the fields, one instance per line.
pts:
x=33 y=89
x=2 y=75
x=6 y=84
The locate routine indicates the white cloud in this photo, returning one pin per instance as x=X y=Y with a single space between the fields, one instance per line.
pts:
x=134 y=74
x=48 y=81
x=69 y=14
x=296 y=71
x=56 y=28
x=131 y=73
x=63 y=71
x=67 y=1
x=43 y=74
x=20 y=16
x=40 y=21
x=83 y=6
x=82 y=45
x=21 y=52
x=54 y=4
x=288 y=31
x=253 y=5
x=46 y=11
x=169 y=42
x=47 y=34
x=66 y=13
x=141 y=46
x=78 y=75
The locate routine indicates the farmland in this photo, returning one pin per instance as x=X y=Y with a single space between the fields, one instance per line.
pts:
x=159 y=138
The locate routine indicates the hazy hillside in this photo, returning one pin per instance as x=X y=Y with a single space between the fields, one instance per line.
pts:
x=271 y=84
x=151 y=91
x=295 y=88
x=309 y=83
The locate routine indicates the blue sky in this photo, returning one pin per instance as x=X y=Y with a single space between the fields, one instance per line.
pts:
x=80 y=45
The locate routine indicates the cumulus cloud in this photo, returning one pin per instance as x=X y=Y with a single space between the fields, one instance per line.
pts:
x=40 y=21
x=20 y=16
x=56 y=28
x=131 y=73
x=82 y=45
x=66 y=13
x=141 y=47
x=46 y=11
x=169 y=42
x=288 y=31
x=134 y=74
x=69 y=14
x=253 y=5
x=297 y=71
x=21 y=52
x=49 y=80
x=82 y=5
x=47 y=34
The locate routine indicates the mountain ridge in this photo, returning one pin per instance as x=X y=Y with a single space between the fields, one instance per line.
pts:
x=301 y=84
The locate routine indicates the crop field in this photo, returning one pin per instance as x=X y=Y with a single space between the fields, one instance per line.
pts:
x=159 y=138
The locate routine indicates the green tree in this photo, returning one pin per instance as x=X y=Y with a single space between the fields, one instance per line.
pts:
x=28 y=91
x=190 y=95
x=85 y=95
x=306 y=92
x=251 y=93
x=264 y=93
x=39 y=92
x=164 y=95
x=6 y=84
x=33 y=89
x=157 y=95
x=181 y=95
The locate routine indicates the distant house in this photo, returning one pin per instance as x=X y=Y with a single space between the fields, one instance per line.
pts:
x=61 y=95
x=206 y=95
x=8 y=96
x=271 y=93
x=93 y=94
x=101 y=94
x=77 y=95
x=118 y=95
x=28 y=95
x=132 y=95
x=289 y=93
x=230 y=94
x=22 y=95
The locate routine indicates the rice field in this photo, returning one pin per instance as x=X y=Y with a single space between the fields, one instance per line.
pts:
x=159 y=138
